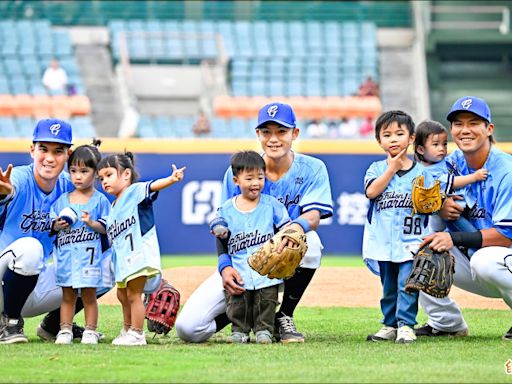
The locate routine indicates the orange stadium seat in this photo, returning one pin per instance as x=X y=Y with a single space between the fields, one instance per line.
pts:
x=23 y=105
x=223 y=106
x=41 y=106
x=6 y=105
x=80 y=105
x=60 y=106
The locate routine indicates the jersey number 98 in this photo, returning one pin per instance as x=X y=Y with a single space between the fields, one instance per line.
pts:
x=412 y=225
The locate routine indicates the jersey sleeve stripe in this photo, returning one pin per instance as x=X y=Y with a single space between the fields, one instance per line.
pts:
x=504 y=223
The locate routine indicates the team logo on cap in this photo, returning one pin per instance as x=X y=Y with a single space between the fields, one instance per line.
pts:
x=55 y=129
x=271 y=111
x=466 y=104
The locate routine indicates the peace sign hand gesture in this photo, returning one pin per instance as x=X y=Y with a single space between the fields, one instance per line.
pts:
x=5 y=181
x=177 y=174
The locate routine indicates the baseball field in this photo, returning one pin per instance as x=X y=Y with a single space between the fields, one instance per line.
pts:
x=339 y=309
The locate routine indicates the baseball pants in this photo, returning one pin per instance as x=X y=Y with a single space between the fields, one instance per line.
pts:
x=196 y=320
x=488 y=273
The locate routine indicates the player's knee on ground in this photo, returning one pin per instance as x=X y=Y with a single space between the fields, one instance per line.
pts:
x=27 y=256
x=190 y=332
x=485 y=262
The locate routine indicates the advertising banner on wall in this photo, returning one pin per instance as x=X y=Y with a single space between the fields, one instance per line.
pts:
x=183 y=210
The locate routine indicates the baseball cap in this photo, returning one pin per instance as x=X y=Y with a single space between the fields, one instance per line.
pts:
x=470 y=104
x=53 y=131
x=277 y=112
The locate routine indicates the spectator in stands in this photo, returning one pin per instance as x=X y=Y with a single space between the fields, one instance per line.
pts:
x=369 y=88
x=316 y=129
x=348 y=128
x=366 y=128
x=55 y=78
x=202 y=125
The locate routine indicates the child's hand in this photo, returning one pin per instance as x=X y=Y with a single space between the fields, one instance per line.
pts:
x=5 y=181
x=60 y=224
x=177 y=174
x=481 y=174
x=396 y=163
x=86 y=218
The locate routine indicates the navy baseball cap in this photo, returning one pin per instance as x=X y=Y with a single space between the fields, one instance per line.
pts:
x=470 y=104
x=53 y=131
x=278 y=113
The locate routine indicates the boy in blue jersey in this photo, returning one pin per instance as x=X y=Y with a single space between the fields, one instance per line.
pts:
x=252 y=219
x=391 y=233
x=26 y=195
x=301 y=183
x=488 y=272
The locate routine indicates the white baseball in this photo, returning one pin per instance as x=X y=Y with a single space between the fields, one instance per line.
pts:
x=220 y=231
x=69 y=215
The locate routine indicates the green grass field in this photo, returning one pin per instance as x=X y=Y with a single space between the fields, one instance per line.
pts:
x=336 y=350
x=172 y=261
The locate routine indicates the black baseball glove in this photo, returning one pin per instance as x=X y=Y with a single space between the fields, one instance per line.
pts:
x=432 y=272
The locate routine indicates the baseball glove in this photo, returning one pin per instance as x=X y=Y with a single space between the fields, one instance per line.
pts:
x=432 y=272
x=426 y=200
x=266 y=260
x=162 y=308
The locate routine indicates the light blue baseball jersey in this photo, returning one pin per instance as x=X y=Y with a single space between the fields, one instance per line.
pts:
x=27 y=214
x=443 y=172
x=249 y=230
x=391 y=232
x=83 y=256
x=132 y=233
x=493 y=207
x=303 y=188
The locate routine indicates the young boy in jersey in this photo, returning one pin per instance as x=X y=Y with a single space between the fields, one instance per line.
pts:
x=252 y=219
x=391 y=233
x=301 y=183
x=430 y=149
x=81 y=252
x=132 y=233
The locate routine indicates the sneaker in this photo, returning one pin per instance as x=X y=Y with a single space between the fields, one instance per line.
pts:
x=121 y=335
x=90 y=337
x=239 y=338
x=427 y=330
x=46 y=334
x=12 y=331
x=65 y=336
x=405 y=335
x=263 y=337
x=131 y=338
x=287 y=331
x=508 y=335
x=385 y=333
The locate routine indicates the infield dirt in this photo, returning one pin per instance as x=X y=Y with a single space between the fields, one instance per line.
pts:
x=331 y=287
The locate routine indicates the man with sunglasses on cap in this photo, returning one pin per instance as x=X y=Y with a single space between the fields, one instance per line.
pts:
x=301 y=183
x=26 y=194
x=487 y=271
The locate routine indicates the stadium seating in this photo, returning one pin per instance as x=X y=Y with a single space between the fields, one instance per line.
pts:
x=26 y=48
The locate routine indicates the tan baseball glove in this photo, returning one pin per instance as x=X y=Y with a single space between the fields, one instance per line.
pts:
x=426 y=200
x=267 y=262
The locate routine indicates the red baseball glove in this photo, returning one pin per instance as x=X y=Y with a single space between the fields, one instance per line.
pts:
x=162 y=308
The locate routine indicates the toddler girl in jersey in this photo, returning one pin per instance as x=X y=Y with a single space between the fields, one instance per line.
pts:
x=81 y=250
x=132 y=233
x=430 y=149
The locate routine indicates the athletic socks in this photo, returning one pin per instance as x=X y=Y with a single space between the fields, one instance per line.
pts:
x=17 y=289
x=294 y=288
x=221 y=321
